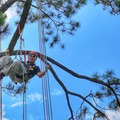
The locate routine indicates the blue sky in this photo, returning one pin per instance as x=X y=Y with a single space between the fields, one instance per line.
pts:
x=94 y=47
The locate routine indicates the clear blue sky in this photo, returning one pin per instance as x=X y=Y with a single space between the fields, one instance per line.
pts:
x=94 y=47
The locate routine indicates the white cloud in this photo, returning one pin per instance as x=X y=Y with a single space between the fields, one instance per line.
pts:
x=34 y=97
x=31 y=117
x=30 y=98
x=57 y=92
x=3 y=113
x=16 y=104
x=11 y=13
x=113 y=115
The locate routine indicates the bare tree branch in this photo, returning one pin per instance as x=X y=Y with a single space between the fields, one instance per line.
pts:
x=75 y=94
x=6 y=5
x=21 y=24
